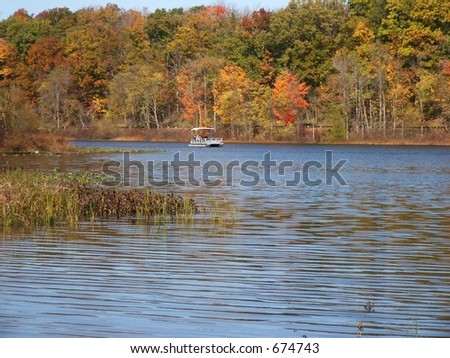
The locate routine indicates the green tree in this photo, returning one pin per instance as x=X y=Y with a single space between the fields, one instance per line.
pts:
x=162 y=24
x=304 y=36
x=373 y=11
x=23 y=31
x=60 y=21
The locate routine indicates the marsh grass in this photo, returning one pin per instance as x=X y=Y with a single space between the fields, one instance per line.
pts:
x=30 y=199
x=113 y=151
x=80 y=151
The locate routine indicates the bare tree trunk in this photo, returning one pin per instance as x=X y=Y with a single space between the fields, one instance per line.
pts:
x=394 y=111
x=147 y=117
x=205 y=98
x=366 y=120
x=155 y=114
x=214 y=113
x=384 y=112
x=2 y=136
x=57 y=111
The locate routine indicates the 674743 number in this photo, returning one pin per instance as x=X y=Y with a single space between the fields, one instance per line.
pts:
x=295 y=348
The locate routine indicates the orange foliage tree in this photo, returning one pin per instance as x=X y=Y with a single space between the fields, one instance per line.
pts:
x=42 y=58
x=189 y=97
x=8 y=55
x=288 y=97
x=195 y=85
x=446 y=69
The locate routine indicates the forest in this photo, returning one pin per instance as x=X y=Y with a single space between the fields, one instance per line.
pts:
x=310 y=72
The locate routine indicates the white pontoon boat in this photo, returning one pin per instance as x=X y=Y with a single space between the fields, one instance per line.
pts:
x=204 y=137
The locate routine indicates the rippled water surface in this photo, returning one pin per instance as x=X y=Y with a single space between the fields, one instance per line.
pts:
x=285 y=261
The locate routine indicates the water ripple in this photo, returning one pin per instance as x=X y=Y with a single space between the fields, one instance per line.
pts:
x=296 y=261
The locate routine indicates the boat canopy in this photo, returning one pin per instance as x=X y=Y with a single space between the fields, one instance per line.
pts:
x=202 y=129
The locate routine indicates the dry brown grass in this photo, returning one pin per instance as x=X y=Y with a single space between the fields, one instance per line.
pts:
x=163 y=135
x=412 y=138
x=36 y=142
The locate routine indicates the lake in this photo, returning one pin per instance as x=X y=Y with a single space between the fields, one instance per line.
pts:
x=275 y=250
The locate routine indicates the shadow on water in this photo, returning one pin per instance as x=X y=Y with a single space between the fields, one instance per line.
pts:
x=370 y=258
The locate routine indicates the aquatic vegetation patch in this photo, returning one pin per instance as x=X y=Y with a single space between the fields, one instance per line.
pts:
x=29 y=199
x=79 y=150
x=142 y=204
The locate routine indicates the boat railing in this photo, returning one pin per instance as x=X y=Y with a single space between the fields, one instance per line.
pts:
x=199 y=140
x=204 y=140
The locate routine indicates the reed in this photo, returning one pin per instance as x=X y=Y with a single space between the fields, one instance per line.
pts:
x=218 y=212
x=30 y=199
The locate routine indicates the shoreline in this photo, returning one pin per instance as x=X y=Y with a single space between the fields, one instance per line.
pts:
x=388 y=142
x=182 y=135
x=39 y=143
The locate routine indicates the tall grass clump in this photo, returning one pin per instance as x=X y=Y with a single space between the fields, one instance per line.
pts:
x=29 y=199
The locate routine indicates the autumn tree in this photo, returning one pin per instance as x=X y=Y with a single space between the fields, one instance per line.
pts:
x=146 y=95
x=443 y=90
x=137 y=96
x=260 y=113
x=195 y=86
x=401 y=95
x=135 y=47
x=58 y=104
x=370 y=80
x=367 y=67
x=23 y=31
x=16 y=113
x=8 y=61
x=91 y=48
x=120 y=110
x=417 y=30
x=233 y=101
x=197 y=36
x=42 y=57
x=288 y=97
x=338 y=91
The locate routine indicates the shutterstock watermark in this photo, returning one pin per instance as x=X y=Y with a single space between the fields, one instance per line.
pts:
x=190 y=171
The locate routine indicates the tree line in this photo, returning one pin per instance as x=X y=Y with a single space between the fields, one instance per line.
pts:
x=352 y=67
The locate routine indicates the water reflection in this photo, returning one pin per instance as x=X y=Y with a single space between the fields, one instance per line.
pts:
x=294 y=261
